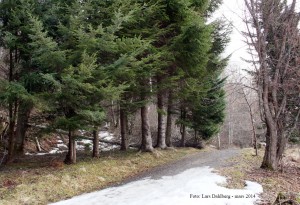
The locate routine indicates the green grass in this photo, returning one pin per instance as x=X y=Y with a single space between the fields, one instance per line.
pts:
x=39 y=183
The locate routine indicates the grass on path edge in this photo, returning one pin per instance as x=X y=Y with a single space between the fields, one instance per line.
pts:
x=28 y=184
x=247 y=167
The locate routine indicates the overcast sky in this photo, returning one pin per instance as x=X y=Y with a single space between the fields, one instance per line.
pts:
x=233 y=11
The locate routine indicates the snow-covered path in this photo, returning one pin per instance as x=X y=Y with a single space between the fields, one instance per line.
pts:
x=194 y=186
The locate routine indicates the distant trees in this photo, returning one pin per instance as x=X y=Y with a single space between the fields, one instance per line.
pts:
x=274 y=38
x=71 y=59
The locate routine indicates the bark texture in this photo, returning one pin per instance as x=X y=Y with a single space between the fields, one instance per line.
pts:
x=183 y=128
x=11 y=113
x=169 y=120
x=96 y=144
x=123 y=127
x=24 y=111
x=71 y=155
x=146 y=132
x=161 y=121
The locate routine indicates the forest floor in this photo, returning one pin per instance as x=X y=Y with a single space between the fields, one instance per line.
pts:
x=43 y=179
x=285 y=181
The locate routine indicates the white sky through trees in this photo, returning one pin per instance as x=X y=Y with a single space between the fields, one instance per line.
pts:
x=234 y=12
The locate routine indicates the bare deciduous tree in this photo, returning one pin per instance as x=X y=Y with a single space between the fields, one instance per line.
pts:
x=273 y=35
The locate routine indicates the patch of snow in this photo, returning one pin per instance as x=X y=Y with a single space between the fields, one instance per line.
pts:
x=107 y=147
x=106 y=135
x=111 y=147
x=62 y=145
x=55 y=151
x=191 y=187
x=85 y=141
x=80 y=147
x=39 y=153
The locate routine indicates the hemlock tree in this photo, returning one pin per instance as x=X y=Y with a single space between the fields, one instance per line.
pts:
x=273 y=36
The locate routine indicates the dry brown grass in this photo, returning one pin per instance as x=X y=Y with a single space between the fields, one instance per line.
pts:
x=247 y=167
x=43 y=183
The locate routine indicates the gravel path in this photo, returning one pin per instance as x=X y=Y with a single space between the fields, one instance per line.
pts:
x=211 y=158
x=189 y=181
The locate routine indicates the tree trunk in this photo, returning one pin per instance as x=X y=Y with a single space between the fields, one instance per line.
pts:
x=113 y=115
x=146 y=132
x=169 y=119
x=282 y=141
x=161 y=121
x=183 y=136
x=11 y=118
x=71 y=155
x=123 y=127
x=219 y=141
x=22 y=121
x=11 y=135
x=255 y=145
x=183 y=128
x=95 y=143
x=270 y=160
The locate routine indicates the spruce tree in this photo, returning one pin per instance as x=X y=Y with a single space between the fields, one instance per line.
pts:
x=207 y=112
x=18 y=90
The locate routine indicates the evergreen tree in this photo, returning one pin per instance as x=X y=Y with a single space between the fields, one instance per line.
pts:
x=21 y=82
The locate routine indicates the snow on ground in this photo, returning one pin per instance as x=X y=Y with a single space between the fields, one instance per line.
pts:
x=191 y=187
x=56 y=151
x=106 y=135
x=81 y=144
x=107 y=147
x=39 y=154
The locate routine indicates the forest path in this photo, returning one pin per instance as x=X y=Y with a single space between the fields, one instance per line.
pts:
x=189 y=181
x=211 y=158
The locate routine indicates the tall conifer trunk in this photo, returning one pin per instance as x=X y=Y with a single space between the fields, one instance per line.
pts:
x=11 y=114
x=11 y=134
x=71 y=155
x=183 y=128
x=146 y=132
x=123 y=127
x=96 y=143
x=169 y=119
x=161 y=120
x=24 y=110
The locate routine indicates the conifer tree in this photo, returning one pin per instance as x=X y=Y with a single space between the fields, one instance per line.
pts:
x=18 y=89
x=197 y=64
